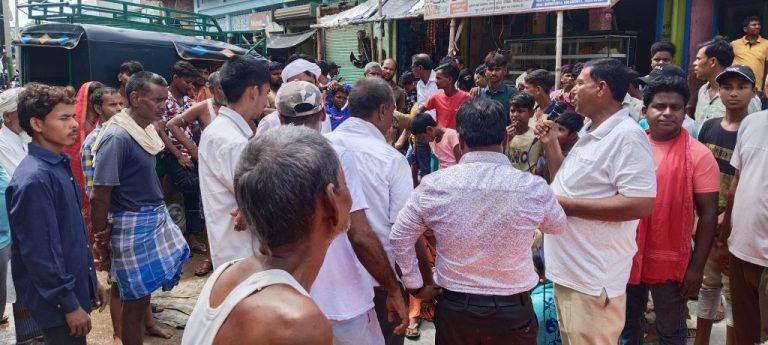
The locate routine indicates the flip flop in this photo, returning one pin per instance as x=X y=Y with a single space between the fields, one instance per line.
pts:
x=413 y=332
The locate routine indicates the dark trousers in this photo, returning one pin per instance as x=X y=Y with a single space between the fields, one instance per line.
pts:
x=421 y=157
x=60 y=336
x=749 y=295
x=467 y=319
x=188 y=183
x=387 y=327
x=671 y=312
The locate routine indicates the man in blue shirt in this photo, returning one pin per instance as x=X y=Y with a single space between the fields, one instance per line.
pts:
x=51 y=258
x=497 y=89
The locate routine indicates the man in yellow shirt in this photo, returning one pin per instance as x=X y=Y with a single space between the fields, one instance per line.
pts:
x=752 y=50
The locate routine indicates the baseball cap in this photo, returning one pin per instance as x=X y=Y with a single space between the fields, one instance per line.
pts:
x=737 y=70
x=298 y=99
x=666 y=69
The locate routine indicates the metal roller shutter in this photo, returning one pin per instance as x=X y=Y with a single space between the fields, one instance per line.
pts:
x=339 y=42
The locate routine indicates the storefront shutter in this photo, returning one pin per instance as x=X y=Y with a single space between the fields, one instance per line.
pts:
x=339 y=43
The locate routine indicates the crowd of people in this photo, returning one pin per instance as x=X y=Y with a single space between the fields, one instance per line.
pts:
x=503 y=210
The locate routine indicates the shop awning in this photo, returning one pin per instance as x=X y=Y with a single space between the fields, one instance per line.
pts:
x=282 y=41
x=357 y=14
x=401 y=9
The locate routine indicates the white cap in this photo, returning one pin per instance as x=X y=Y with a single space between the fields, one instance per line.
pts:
x=9 y=100
x=300 y=66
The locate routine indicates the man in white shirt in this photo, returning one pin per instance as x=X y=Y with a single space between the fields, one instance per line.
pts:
x=245 y=82
x=605 y=184
x=421 y=66
x=745 y=226
x=384 y=173
x=13 y=140
x=343 y=289
x=483 y=213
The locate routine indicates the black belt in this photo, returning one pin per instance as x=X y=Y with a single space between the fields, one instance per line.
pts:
x=486 y=300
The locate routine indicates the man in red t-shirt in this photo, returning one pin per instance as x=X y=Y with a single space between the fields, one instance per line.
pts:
x=449 y=99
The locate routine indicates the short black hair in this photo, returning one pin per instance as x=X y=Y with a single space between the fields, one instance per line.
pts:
x=368 y=95
x=541 y=78
x=749 y=20
x=565 y=69
x=240 y=73
x=184 y=69
x=481 y=122
x=450 y=70
x=332 y=65
x=720 y=49
x=275 y=65
x=447 y=60
x=576 y=69
x=571 y=120
x=459 y=59
x=420 y=123
x=323 y=67
x=343 y=89
x=480 y=69
x=613 y=73
x=297 y=56
x=633 y=75
x=141 y=81
x=667 y=83
x=663 y=46
x=38 y=100
x=131 y=67
x=495 y=59
x=407 y=78
x=522 y=100
x=423 y=61
x=97 y=96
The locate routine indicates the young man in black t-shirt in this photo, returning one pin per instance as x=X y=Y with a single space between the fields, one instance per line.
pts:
x=737 y=84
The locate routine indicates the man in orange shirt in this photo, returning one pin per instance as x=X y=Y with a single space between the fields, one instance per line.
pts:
x=752 y=50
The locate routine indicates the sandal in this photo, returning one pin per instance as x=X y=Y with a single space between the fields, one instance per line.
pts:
x=4 y=320
x=205 y=267
x=413 y=331
x=720 y=314
x=156 y=308
x=198 y=248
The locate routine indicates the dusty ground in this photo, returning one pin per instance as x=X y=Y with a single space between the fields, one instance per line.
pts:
x=180 y=302
x=177 y=303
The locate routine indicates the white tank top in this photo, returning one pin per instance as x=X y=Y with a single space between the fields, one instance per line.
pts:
x=211 y=111
x=204 y=323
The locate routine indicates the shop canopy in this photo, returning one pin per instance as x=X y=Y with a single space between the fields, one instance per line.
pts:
x=282 y=41
x=369 y=12
x=479 y=8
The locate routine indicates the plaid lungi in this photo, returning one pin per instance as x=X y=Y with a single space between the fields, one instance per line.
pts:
x=148 y=251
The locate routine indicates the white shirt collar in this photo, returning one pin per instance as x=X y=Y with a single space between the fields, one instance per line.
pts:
x=237 y=119
x=359 y=126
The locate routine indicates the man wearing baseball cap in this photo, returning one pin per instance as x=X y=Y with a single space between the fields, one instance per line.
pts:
x=743 y=231
x=296 y=70
x=342 y=290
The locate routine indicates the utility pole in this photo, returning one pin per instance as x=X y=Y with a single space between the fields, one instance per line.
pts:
x=381 y=34
x=8 y=61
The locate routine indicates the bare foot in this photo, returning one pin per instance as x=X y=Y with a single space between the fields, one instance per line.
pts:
x=116 y=340
x=161 y=332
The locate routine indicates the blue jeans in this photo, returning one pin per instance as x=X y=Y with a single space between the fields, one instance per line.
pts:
x=671 y=312
x=421 y=158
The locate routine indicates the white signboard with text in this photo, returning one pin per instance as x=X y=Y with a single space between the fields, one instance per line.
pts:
x=443 y=9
